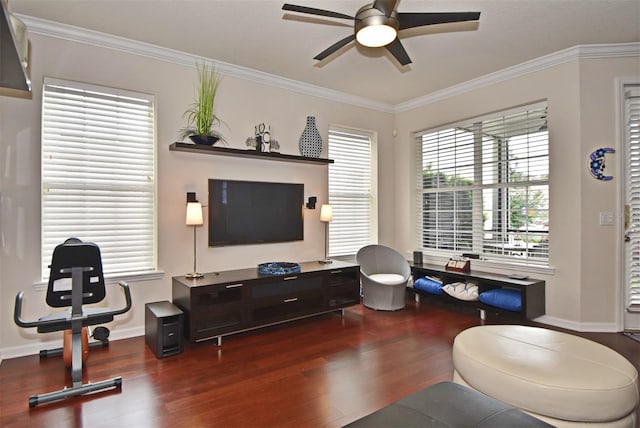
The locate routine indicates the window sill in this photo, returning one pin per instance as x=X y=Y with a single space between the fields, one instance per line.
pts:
x=114 y=279
x=493 y=265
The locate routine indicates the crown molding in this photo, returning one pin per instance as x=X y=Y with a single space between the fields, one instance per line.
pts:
x=567 y=55
x=82 y=35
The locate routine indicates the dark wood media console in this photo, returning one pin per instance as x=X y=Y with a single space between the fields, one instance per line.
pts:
x=532 y=291
x=228 y=302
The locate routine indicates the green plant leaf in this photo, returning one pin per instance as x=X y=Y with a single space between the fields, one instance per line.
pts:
x=200 y=115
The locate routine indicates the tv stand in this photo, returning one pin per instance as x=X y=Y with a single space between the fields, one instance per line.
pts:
x=228 y=302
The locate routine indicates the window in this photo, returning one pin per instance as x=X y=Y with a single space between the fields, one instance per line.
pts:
x=632 y=222
x=98 y=174
x=483 y=186
x=352 y=191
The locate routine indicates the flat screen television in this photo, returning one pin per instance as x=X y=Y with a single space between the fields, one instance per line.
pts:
x=254 y=212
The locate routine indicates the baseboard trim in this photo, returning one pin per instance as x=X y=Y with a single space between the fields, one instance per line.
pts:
x=35 y=348
x=588 y=327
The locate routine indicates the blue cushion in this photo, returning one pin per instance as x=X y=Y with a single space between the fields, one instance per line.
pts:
x=428 y=286
x=502 y=298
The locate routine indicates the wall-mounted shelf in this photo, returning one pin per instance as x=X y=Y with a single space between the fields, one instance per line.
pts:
x=226 y=151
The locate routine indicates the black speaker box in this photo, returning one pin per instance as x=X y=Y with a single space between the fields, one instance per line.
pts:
x=163 y=327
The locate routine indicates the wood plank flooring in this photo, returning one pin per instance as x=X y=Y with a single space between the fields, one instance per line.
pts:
x=324 y=371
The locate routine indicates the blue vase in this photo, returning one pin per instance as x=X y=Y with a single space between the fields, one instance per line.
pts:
x=310 y=141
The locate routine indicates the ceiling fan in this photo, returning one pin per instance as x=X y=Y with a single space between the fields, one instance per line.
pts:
x=377 y=25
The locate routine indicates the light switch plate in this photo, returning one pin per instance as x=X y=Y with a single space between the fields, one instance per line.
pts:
x=606 y=218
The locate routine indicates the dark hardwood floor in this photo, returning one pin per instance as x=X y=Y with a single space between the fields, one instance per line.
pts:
x=324 y=371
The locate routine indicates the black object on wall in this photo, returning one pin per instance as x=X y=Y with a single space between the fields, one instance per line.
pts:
x=254 y=212
x=311 y=203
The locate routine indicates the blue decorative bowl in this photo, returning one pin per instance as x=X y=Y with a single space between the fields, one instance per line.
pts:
x=278 y=268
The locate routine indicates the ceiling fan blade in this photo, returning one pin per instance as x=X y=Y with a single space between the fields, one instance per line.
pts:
x=411 y=20
x=385 y=6
x=397 y=50
x=314 y=11
x=334 y=47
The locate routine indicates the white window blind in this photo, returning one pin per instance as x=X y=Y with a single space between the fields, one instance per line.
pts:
x=632 y=141
x=98 y=174
x=483 y=186
x=351 y=191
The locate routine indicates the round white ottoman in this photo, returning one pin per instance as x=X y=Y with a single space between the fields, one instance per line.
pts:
x=565 y=380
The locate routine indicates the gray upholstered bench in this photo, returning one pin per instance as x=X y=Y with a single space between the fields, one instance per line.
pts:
x=448 y=404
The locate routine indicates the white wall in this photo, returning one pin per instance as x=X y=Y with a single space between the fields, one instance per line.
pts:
x=582 y=293
x=241 y=103
x=602 y=255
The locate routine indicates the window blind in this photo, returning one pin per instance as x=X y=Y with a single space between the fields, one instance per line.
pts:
x=483 y=186
x=632 y=141
x=350 y=191
x=98 y=174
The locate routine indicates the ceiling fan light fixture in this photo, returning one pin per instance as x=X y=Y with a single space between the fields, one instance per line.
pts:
x=375 y=36
x=374 y=29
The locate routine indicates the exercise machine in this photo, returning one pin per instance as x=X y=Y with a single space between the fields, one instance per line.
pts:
x=75 y=280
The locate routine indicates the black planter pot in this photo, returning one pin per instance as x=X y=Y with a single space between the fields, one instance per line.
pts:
x=205 y=140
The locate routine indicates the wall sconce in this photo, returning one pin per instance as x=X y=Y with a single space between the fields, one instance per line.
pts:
x=194 y=218
x=326 y=215
x=311 y=204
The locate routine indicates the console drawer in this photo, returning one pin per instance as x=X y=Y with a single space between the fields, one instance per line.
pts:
x=216 y=295
x=272 y=310
x=286 y=285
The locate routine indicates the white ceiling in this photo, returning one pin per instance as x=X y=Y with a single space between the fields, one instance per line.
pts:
x=260 y=35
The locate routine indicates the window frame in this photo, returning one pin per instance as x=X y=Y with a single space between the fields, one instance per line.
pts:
x=477 y=187
x=109 y=94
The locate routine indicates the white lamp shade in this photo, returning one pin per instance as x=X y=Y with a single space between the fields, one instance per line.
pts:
x=375 y=36
x=326 y=213
x=194 y=214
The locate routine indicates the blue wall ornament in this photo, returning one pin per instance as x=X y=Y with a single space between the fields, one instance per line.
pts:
x=596 y=163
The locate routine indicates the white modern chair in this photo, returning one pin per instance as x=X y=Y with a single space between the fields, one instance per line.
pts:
x=384 y=277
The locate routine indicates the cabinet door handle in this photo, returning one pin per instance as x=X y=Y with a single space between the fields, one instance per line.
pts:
x=234 y=285
x=290 y=300
x=333 y=272
x=290 y=277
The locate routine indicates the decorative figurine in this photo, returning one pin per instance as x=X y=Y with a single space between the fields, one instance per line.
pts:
x=596 y=163
x=262 y=140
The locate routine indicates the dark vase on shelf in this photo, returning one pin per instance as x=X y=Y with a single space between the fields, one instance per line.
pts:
x=205 y=140
x=310 y=141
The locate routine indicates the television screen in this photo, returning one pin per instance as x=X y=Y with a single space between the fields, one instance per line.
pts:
x=252 y=212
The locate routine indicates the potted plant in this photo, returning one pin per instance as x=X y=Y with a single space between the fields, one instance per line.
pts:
x=201 y=116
